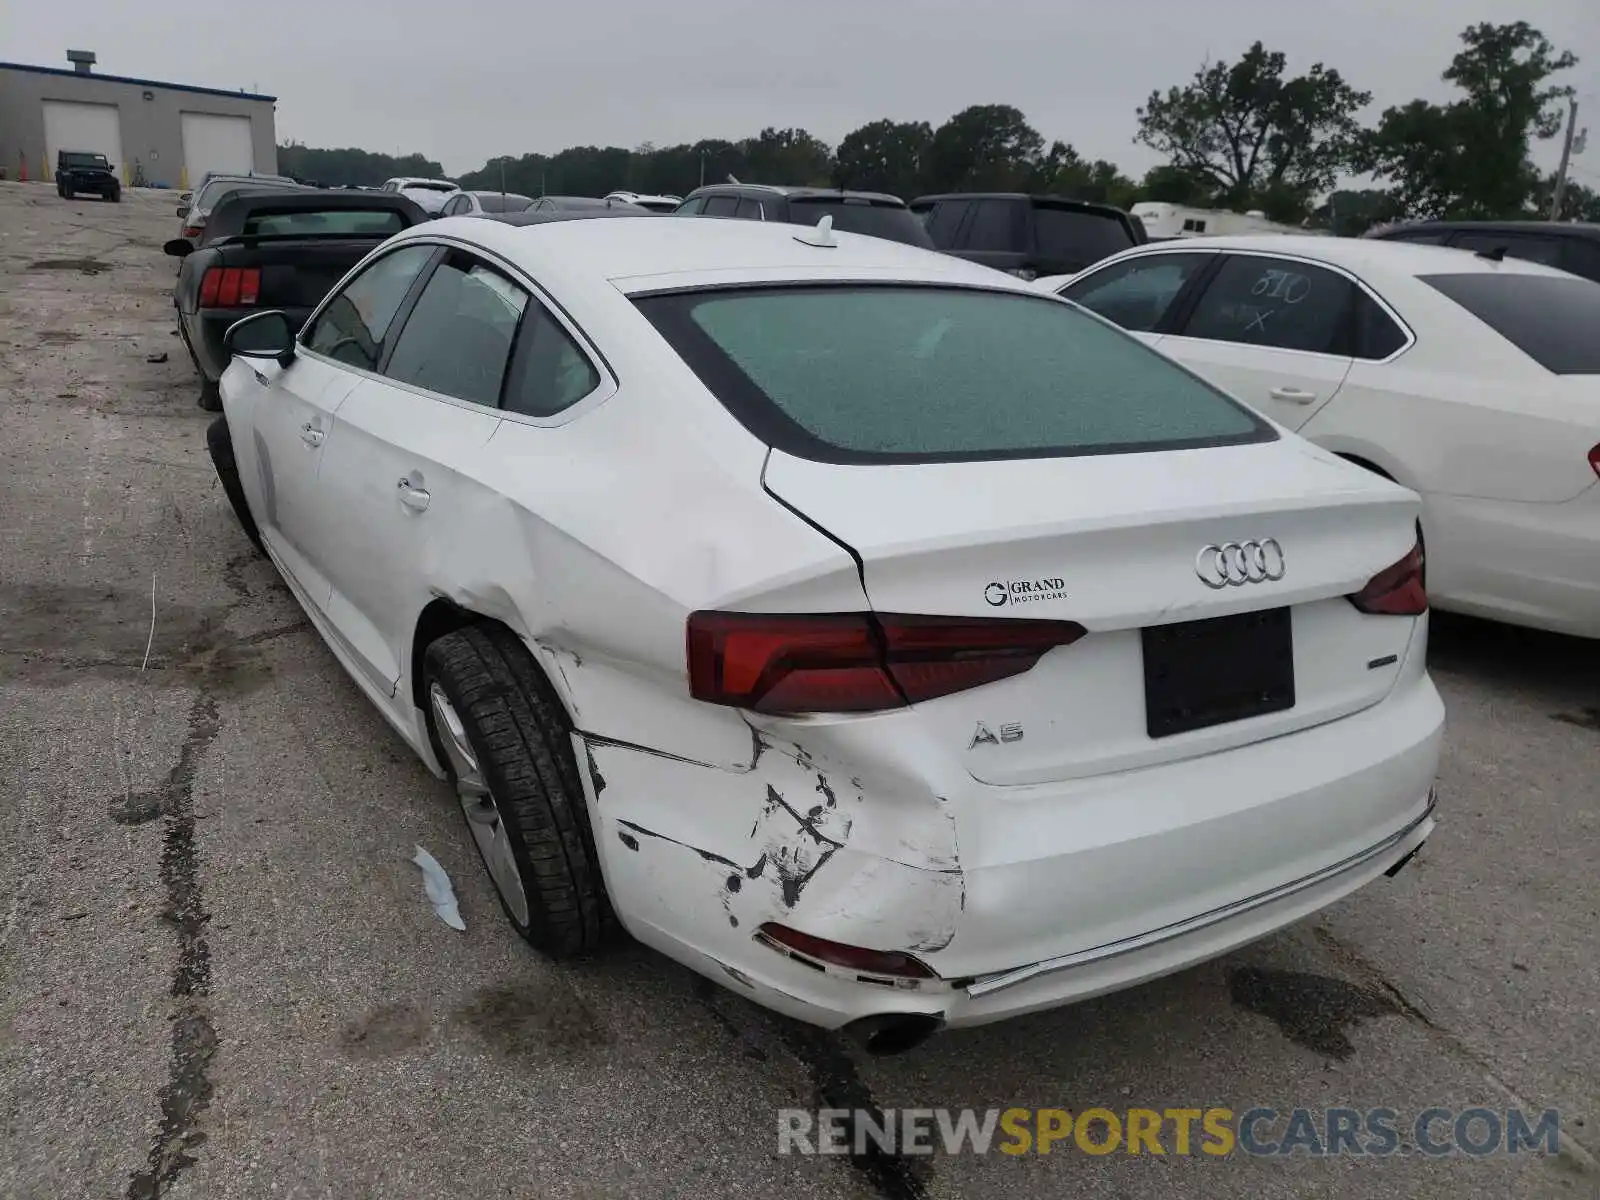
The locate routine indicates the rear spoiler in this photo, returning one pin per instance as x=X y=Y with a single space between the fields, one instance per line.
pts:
x=229 y=218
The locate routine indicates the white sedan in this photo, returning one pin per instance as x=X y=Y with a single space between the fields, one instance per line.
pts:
x=1473 y=381
x=884 y=640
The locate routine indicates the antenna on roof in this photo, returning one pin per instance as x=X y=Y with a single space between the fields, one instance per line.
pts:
x=731 y=178
x=821 y=236
x=1493 y=254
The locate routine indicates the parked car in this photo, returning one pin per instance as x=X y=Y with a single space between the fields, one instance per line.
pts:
x=78 y=171
x=583 y=203
x=427 y=194
x=659 y=204
x=196 y=209
x=1473 y=381
x=273 y=249
x=1026 y=236
x=1573 y=247
x=871 y=633
x=479 y=204
x=871 y=213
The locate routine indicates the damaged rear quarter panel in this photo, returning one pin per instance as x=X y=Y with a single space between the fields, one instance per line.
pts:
x=705 y=856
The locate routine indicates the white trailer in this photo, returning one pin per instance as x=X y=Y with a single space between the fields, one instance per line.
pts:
x=1164 y=222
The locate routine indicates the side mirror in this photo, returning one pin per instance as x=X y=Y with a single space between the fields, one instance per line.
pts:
x=262 y=335
x=187 y=196
x=177 y=248
x=183 y=210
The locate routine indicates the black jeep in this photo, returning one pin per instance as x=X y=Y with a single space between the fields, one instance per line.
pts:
x=79 y=171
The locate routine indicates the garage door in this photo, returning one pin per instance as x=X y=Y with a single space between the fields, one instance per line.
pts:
x=213 y=143
x=92 y=128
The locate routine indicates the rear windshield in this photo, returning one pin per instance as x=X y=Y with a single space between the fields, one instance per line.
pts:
x=344 y=222
x=1078 y=238
x=416 y=185
x=213 y=194
x=888 y=221
x=863 y=373
x=494 y=202
x=1553 y=319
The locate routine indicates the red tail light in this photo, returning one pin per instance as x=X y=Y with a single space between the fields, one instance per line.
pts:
x=857 y=662
x=230 y=287
x=191 y=231
x=837 y=954
x=1396 y=591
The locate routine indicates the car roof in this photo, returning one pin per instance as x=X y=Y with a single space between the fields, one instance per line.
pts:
x=498 y=192
x=794 y=193
x=1355 y=254
x=672 y=251
x=1031 y=197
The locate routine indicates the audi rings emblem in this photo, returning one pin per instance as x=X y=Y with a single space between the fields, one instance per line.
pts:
x=1234 y=564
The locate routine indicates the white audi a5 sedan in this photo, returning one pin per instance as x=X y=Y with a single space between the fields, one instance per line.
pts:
x=887 y=641
x=1472 y=380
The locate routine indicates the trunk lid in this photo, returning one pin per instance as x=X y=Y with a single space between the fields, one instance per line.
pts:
x=295 y=272
x=1111 y=542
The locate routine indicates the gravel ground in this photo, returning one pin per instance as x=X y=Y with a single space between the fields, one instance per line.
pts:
x=221 y=978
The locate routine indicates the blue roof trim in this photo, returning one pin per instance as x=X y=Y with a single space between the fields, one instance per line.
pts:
x=152 y=83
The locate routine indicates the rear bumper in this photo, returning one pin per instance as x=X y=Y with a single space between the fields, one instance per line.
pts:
x=1528 y=564
x=1020 y=899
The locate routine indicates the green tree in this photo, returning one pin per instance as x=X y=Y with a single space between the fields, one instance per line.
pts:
x=1251 y=134
x=1469 y=158
x=789 y=157
x=1351 y=212
x=1169 y=184
x=885 y=156
x=988 y=147
x=361 y=168
x=1062 y=171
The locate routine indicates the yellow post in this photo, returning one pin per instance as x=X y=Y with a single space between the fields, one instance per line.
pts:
x=127 y=176
x=44 y=169
x=183 y=179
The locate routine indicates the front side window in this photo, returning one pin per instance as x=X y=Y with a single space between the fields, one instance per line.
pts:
x=944 y=221
x=749 y=210
x=691 y=206
x=1138 y=292
x=458 y=338
x=1277 y=302
x=353 y=327
x=1550 y=318
x=722 y=206
x=862 y=373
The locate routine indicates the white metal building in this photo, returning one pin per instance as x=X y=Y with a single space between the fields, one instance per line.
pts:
x=157 y=133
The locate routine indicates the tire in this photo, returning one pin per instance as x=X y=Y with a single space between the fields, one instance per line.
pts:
x=66 y=193
x=210 y=393
x=533 y=808
x=219 y=440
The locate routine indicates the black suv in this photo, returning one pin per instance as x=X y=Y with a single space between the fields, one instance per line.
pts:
x=79 y=171
x=1025 y=235
x=1574 y=248
x=870 y=213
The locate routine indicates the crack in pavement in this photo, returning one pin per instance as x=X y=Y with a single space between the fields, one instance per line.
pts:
x=187 y=1092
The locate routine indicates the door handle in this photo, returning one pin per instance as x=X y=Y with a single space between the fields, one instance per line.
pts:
x=1292 y=395
x=414 y=498
x=311 y=435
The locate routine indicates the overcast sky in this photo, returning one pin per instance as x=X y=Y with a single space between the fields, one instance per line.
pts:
x=461 y=80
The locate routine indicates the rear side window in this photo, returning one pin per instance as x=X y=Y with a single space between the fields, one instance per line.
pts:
x=995 y=226
x=888 y=221
x=721 y=206
x=944 y=222
x=549 y=373
x=1138 y=292
x=1553 y=319
x=860 y=373
x=1277 y=302
x=1377 y=335
x=457 y=340
x=1077 y=237
x=749 y=210
x=692 y=206
x=346 y=222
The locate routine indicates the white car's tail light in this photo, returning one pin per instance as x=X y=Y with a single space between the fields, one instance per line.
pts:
x=852 y=958
x=857 y=662
x=1396 y=591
